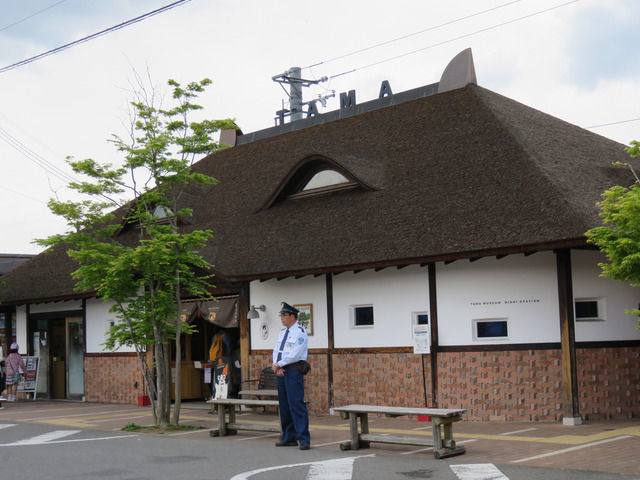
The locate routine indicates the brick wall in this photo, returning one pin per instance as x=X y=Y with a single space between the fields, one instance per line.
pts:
x=111 y=378
x=380 y=379
x=609 y=382
x=517 y=385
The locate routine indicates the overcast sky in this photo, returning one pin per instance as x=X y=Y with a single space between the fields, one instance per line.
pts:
x=579 y=62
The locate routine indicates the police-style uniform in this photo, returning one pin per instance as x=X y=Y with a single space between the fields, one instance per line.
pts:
x=294 y=416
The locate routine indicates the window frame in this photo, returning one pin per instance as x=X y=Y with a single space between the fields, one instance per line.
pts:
x=476 y=321
x=352 y=316
x=602 y=309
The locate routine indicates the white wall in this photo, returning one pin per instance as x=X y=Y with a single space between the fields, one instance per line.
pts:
x=618 y=296
x=55 y=306
x=521 y=289
x=395 y=295
x=98 y=323
x=272 y=292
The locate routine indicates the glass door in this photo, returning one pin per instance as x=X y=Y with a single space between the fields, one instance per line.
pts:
x=75 y=357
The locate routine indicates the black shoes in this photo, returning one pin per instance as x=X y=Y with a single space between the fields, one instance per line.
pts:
x=304 y=446
x=292 y=443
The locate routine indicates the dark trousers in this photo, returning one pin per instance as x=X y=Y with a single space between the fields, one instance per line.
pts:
x=294 y=416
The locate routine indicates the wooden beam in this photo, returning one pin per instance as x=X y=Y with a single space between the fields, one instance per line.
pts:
x=433 y=320
x=331 y=338
x=570 y=404
x=245 y=332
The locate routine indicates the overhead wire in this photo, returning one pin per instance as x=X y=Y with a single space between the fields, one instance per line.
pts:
x=36 y=158
x=18 y=22
x=94 y=35
x=459 y=37
x=403 y=37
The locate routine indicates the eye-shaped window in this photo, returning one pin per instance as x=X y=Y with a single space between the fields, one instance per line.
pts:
x=315 y=176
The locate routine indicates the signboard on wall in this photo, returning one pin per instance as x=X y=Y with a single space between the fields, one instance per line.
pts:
x=30 y=382
x=421 y=339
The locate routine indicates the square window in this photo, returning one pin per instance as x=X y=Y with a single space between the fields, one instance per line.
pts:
x=490 y=328
x=589 y=309
x=420 y=318
x=363 y=316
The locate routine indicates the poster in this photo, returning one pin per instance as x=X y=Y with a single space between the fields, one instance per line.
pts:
x=30 y=376
x=305 y=317
x=421 y=339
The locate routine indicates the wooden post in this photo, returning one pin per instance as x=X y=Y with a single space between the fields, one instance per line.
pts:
x=433 y=320
x=331 y=345
x=245 y=339
x=570 y=401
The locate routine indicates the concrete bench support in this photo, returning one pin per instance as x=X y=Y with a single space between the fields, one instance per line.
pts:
x=227 y=424
x=442 y=423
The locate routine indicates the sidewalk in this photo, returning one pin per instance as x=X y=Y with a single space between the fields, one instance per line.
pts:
x=610 y=446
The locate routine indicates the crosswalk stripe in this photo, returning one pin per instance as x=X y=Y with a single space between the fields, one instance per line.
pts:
x=46 y=437
x=478 y=471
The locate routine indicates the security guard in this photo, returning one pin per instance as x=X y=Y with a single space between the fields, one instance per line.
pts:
x=288 y=354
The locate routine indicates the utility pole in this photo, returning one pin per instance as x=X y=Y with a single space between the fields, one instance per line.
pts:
x=293 y=78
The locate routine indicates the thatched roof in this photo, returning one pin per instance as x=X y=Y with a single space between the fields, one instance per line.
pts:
x=457 y=174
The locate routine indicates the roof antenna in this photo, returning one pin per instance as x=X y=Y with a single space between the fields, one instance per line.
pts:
x=293 y=78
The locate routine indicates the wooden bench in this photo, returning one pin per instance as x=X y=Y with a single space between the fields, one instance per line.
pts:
x=267 y=385
x=227 y=409
x=442 y=419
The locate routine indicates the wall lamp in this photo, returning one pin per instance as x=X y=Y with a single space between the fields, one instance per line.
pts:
x=253 y=311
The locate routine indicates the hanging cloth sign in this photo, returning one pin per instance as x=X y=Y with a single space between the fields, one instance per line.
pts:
x=223 y=313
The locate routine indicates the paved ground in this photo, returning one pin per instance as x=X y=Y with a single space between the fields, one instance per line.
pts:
x=612 y=446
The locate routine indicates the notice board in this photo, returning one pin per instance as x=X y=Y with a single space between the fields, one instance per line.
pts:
x=30 y=376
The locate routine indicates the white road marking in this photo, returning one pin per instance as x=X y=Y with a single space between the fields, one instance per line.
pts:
x=6 y=425
x=257 y=437
x=330 y=443
x=518 y=431
x=85 y=414
x=332 y=466
x=478 y=471
x=340 y=469
x=44 y=438
x=571 y=449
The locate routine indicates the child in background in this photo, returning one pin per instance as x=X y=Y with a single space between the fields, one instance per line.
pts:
x=13 y=365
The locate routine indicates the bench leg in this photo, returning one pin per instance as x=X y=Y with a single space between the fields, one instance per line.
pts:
x=222 y=420
x=364 y=428
x=444 y=447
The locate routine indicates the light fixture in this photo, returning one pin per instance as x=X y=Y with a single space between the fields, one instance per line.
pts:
x=253 y=311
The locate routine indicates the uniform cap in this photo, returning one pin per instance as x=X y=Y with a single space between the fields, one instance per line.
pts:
x=286 y=308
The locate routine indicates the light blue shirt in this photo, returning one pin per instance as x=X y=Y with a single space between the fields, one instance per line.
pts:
x=295 y=348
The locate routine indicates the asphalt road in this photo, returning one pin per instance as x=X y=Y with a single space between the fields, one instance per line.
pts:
x=31 y=451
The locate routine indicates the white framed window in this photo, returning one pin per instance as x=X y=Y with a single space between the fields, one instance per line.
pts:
x=590 y=309
x=490 y=329
x=419 y=318
x=362 y=316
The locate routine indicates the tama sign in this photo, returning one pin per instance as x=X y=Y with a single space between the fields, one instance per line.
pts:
x=348 y=100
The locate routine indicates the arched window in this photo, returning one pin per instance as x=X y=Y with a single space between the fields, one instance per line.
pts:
x=324 y=179
x=315 y=176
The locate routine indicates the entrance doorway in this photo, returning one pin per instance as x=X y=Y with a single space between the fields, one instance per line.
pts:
x=59 y=343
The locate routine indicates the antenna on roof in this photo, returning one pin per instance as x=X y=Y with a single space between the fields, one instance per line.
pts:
x=293 y=78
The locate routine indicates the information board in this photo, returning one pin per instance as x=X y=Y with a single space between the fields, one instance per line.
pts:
x=30 y=382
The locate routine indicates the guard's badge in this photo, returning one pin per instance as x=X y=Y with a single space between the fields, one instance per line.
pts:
x=301 y=341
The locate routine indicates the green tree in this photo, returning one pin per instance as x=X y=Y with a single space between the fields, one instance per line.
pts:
x=126 y=237
x=619 y=236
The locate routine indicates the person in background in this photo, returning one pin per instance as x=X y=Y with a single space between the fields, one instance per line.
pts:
x=290 y=351
x=13 y=364
x=2 y=379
